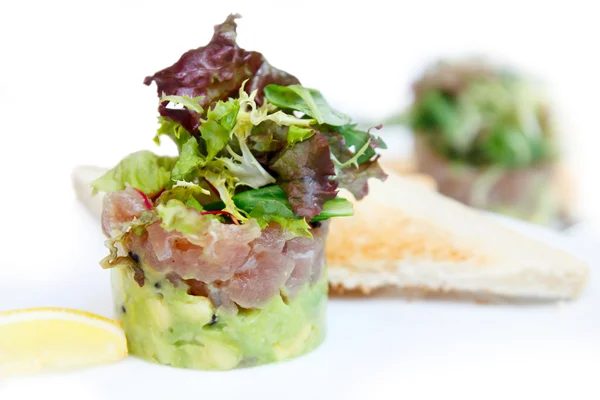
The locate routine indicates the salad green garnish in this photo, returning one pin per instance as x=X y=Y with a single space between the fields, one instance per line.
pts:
x=142 y=170
x=472 y=113
x=253 y=144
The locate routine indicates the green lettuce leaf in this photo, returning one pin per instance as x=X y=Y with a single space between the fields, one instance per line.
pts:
x=267 y=211
x=142 y=170
x=191 y=103
x=226 y=113
x=308 y=101
x=192 y=202
x=216 y=130
x=338 y=207
x=172 y=129
x=248 y=200
x=359 y=139
x=298 y=134
x=189 y=160
x=215 y=135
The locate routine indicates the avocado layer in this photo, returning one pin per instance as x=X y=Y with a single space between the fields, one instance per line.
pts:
x=164 y=324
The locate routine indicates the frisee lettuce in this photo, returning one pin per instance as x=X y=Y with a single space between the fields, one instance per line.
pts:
x=191 y=103
x=175 y=215
x=352 y=161
x=225 y=186
x=358 y=140
x=245 y=167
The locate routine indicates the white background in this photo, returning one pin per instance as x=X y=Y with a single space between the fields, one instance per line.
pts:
x=71 y=93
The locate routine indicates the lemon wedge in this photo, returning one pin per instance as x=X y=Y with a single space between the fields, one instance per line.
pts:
x=52 y=338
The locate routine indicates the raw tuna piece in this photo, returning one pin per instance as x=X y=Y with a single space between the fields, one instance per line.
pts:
x=119 y=207
x=255 y=286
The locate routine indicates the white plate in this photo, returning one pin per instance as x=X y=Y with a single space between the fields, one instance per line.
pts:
x=376 y=348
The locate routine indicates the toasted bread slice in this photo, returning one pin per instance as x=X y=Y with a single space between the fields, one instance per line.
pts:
x=406 y=235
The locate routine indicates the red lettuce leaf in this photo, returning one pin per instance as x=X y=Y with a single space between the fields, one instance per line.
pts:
x=305 y=174
x=215 y=71
x=351 y=178
x=355 y=180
